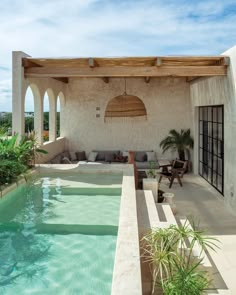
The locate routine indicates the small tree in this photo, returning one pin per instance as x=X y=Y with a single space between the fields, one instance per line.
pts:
x=178 y=141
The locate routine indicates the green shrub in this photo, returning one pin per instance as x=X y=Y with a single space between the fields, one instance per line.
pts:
x=10 y=170
x=16 y=157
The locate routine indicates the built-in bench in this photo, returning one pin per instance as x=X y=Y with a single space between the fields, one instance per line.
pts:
x=142 y=158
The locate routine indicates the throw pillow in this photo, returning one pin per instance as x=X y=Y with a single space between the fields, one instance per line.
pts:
x=92 y=156
x=65 y=154
x=65 y=160
x=151 y=157
x=81 y=156
x=109 y=157
x=73 y=156
x=140 y=156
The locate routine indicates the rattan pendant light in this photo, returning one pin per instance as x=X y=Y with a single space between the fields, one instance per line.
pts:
x=125 y=106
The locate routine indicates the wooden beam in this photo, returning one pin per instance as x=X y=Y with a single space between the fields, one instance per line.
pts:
x=63 y=80
x=105 y=79
x=26 y=63
x=147 y=79
x=126 y=61
x=175 y=71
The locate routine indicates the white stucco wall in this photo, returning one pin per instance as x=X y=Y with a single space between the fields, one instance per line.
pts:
x=220 y=91
x=167 y=102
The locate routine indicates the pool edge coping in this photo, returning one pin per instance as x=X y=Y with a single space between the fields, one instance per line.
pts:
x=127 y=264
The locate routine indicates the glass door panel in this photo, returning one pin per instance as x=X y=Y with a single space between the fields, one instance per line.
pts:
x=211 y=145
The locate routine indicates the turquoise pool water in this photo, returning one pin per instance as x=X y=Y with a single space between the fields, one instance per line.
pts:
x=58 y=235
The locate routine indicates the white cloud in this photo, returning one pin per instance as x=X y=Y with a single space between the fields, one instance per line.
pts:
x=111 y=28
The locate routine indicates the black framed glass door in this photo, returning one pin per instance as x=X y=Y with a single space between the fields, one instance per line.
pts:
x=211 y=145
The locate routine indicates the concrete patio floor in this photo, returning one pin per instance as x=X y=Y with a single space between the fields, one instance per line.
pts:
x=199 y=200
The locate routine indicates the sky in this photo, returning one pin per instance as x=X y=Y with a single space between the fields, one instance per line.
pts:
x=93 y=28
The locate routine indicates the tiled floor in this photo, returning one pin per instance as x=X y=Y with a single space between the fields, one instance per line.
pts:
x=199 y=200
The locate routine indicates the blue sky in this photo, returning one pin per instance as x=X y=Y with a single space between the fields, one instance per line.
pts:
x=77 y=28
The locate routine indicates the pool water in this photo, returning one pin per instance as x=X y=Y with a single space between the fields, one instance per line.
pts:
x=58 y=235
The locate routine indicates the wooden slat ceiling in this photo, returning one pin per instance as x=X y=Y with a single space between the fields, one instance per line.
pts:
x=185 y=66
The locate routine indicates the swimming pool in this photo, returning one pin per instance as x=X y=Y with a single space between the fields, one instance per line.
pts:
x=58 y=235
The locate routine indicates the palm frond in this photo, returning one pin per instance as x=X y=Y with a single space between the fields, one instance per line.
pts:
x=177 y=141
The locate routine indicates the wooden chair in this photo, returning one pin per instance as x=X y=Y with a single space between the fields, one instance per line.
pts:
x=177 y=171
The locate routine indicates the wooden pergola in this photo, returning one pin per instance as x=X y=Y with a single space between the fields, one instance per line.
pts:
x=62 y=69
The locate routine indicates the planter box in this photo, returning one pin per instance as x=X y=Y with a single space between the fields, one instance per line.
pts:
x=151 y=184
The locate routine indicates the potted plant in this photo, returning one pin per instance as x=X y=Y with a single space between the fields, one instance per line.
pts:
x=151 y=183
x=182 y=142
x=151 y=173
x=175 y=269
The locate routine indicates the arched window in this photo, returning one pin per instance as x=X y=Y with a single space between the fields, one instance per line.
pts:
x=29 y=110
x=46 y=117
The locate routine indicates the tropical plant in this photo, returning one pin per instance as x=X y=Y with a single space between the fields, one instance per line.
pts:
x=17 y=157
x=29 y=149
x=178 y=141
x=186 y=281
x=174 y=268
x=9 y=171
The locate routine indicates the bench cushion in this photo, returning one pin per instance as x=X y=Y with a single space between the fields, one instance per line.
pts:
x=101 y=154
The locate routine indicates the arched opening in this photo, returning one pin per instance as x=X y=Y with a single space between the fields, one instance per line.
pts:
x=60 y=108
x=33 y=112
x=29 y=110
x=46 y=117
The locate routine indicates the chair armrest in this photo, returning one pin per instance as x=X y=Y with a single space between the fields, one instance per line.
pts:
x=178 y=169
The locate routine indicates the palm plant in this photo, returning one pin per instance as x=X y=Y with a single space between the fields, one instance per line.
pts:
x=174 y=268
x=178 y=141
x=28 y=148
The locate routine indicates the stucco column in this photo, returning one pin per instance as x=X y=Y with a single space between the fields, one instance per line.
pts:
x=38 y=118
x=63 y=126
x=52 y=119
x=18 y=93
